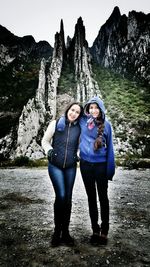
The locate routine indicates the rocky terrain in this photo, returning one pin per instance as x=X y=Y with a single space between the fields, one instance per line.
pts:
x=26 y=222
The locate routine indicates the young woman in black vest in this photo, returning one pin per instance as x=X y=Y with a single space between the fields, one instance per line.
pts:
x=60 y=143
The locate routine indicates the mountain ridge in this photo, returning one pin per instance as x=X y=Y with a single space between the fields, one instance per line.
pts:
x=36 y=81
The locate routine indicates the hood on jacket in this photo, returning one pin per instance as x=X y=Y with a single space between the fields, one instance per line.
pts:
x=100 y=104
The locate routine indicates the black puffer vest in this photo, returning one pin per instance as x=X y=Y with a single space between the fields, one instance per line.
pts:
x=65 y=144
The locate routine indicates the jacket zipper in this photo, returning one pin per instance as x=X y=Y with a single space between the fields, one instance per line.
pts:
x=66 y=145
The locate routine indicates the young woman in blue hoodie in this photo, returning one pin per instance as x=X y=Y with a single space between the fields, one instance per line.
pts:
x=97 y=165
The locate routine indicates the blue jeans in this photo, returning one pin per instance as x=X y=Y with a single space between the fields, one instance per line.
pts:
x=95 y=181
x=63 y=182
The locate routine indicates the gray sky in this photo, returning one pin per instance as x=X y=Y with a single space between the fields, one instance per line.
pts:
x=41 y=18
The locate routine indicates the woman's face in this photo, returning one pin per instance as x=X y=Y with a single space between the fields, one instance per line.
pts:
x=73 y=113
x=94 y=110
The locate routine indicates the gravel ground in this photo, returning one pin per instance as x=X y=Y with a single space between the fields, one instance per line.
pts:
x=26 y=221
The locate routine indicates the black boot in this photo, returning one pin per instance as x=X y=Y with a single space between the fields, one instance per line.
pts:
x=55 y=242
x=67 y=239
x=58 y=210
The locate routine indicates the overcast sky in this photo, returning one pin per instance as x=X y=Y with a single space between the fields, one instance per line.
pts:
x=41 y=18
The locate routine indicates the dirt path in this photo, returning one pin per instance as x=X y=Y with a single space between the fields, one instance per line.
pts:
x=26 y=222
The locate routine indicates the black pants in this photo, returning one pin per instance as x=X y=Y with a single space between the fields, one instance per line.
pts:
x=94 y=178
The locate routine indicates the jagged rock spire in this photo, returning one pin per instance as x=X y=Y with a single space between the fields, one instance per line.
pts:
x=55 y=70
x=86 y=85
x=30 y=121
x=80 y=33
x=115 y=15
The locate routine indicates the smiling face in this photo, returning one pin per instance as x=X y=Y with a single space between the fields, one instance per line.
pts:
x=94 y=110
x=73 y=113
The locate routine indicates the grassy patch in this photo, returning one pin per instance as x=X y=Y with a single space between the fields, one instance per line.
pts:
x=24 y=161
x=67 y=82
x=123 y=96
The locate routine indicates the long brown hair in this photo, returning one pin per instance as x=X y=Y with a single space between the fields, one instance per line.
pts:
x=99 y=140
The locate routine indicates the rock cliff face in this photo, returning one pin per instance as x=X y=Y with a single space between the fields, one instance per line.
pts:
x=40 y=110
x=55 y=70
x=86 y=85
x=30 y=121
x=13 y=46
x=19 y=65
x=123 y=44
x=30 y=74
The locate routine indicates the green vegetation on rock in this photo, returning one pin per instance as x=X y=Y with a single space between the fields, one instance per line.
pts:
x=128 y=106
x=18 y=83
x=123 y=96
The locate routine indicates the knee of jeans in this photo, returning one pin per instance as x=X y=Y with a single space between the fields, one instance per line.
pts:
x=60 y=198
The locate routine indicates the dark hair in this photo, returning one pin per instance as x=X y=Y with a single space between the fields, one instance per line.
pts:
x=98 y=141
x=70 y=105
x=100 y=124
x=86 y=108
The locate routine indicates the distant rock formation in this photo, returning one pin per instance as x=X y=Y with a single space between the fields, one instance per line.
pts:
x=55 y=70
x=78 y=49
x=40 y=110
x=19 y=60
x=30 y=121
x=123 y=44
x=32 y=71
x=22 y=46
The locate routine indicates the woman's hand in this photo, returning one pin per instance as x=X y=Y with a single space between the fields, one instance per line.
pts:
x=50 y=154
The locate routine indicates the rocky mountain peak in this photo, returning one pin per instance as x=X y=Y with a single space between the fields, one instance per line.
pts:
x=23 y=46
x=79 y=55
x=114 y=17
x=123 y=45
x=116 y=13
x=138 y=24
x=6 y=37
x=62 y=29
x=79 y=34
x=59 y=46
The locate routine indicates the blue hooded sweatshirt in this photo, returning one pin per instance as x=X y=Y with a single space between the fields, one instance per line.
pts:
x=88 y=136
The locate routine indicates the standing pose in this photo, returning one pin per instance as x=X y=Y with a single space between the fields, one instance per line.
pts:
x=97 y=164
x=60 y=143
